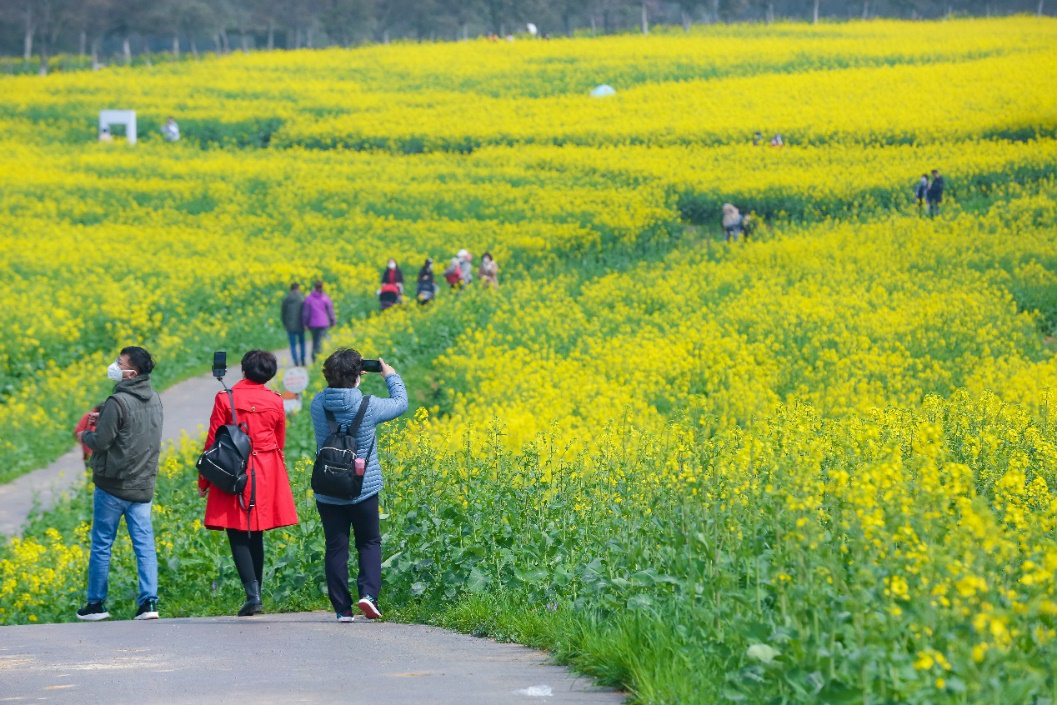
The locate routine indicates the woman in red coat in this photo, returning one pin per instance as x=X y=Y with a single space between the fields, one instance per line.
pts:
x=261 y=410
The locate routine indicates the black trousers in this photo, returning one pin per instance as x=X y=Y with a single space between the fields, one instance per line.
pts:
x=248 y=551
x=362 y=519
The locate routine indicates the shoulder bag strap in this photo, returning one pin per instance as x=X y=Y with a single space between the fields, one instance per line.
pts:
x=234 y=414
x=332 y=422
x=253 y=471
x=359 y=415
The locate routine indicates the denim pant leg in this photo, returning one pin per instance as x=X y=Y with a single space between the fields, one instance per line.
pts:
x=293 y=346
x=141 y=531
x=301 y=342
x=106 y=515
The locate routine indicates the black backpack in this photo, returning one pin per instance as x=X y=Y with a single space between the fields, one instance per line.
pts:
x=226 y=461
x=334 y=473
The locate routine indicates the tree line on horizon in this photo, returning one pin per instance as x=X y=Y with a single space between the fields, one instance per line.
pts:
x=105 y=29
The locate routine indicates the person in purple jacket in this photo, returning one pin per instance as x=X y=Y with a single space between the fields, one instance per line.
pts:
x=318 y=316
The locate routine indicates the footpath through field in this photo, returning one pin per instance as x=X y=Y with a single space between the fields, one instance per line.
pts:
x=280 y=659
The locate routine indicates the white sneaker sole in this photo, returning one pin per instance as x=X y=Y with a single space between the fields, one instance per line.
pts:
x=368 y=609
x=346 y=620
x=147 y=615
x=98 y=617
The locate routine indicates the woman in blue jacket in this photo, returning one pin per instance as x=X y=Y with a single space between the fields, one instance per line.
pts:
x=344 y=371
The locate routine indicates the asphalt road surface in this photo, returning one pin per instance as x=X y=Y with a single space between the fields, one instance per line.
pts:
x=276 y=659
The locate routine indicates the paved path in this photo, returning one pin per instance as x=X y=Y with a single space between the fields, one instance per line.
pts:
x=187 y=407
x=276 y=659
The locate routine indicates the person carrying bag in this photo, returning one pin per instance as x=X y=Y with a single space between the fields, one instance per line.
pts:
x=245 y=509
x=345 y=422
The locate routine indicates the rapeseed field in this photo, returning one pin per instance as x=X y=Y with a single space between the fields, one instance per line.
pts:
x=816 y=465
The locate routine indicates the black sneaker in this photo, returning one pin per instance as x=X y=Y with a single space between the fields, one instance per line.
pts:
x=369 y=607
x=148 y=609
x=93 y=612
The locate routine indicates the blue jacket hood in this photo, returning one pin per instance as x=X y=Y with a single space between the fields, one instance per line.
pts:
x=341 y=399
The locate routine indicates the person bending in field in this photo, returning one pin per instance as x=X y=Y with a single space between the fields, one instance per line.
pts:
x=392 y=289
x=170 y=130
x=426 y=288
x=489 y=271
x=453 y=274
x=340 y=405
x=466 y=267
x=921 y=189
x=732 y=222
x=934 y=195
x=125 y=446
x=261 y=410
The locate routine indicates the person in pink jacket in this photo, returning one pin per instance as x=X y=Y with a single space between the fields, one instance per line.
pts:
x=318 y=315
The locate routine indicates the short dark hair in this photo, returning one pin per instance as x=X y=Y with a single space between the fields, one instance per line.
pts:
x=295 y=285
x=318 y=286
x=139 y=358
x=259 y=366
x=343 y=368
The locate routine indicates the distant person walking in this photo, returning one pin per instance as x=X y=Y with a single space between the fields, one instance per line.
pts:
x=488 y=271
x=261 y=409
x=392 y=289
x=732 y=222
x=934 y=195
x=294 y=322
x=339 y=405
x=125 y=446
x=317 y=314
x=921 y=189
x=170 y=130
x=426 y=287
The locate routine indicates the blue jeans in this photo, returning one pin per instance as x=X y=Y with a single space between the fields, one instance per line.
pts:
x=317 y=341
x=105 y=519
x=296 y=338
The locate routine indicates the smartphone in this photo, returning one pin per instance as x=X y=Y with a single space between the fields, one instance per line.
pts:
x=220 y=364
x=372 y=366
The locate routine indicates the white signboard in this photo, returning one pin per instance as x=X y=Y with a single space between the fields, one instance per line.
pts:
x=107 y=118
x=295 y=379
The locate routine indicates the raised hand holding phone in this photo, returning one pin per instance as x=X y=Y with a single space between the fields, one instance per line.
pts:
x=385 y=369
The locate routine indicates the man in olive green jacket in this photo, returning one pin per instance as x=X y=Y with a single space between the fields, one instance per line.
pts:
x=125 y=447
x=293 y=322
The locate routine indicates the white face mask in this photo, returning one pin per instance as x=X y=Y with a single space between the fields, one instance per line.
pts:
x=115 y=373
x=392 y=265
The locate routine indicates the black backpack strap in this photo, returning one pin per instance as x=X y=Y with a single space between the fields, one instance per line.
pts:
x=359 y=415
x=332 y=422
x=253 y=471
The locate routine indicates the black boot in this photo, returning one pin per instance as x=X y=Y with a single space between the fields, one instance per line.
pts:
x=253 y=599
